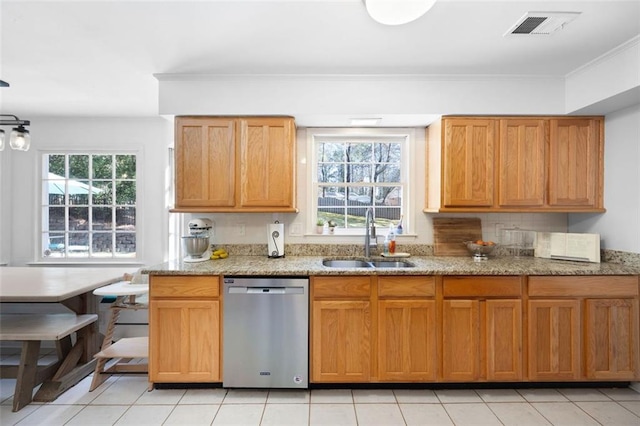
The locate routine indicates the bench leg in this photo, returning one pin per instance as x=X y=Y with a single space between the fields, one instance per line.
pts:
x=27 y=369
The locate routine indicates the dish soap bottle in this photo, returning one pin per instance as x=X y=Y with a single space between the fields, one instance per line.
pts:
x=390 y=241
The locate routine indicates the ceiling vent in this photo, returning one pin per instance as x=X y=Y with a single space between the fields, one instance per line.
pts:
x=541 y=23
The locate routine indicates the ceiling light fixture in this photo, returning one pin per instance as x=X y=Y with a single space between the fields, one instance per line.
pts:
x=397 y=12
x=365 y=121
x=20 y=139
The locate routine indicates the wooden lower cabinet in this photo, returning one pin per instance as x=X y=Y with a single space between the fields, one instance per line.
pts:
x=482 y=340
x=460 y=340
x=482 y=328
x=184 y=329
x=406 y=329
x=341 y=329
x=554 y=340
x=341 y=341
x=584 y=328
x=611 y=327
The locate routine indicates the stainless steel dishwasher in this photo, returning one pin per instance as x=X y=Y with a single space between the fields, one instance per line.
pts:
x=266 y=332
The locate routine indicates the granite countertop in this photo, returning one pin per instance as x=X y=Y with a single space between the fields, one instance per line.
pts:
x=423 y=265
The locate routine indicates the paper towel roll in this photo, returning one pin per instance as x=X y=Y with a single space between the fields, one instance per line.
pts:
x=275 y=237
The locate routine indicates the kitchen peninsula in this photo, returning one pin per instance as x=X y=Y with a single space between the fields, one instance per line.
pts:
x=441 y=320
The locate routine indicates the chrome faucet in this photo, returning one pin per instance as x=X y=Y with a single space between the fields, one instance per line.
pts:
x=370 y=232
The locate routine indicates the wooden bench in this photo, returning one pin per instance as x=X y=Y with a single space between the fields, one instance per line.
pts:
x=31 y=330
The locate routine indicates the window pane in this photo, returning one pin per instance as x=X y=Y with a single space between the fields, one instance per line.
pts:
x=102 y=166
x=359 y=196
x=359 y=152
x=78 y=244
x=331 y=195
x=126 y=218
x=54 y=244
x=125 y=243
x=387 y=152
x=102 y=192
x=56 y=219
x=358 y=172
x=78 y=218
x=102 y=218
x=125 y=192
x=389 y=196
x=331 y=172
x=55 y=191
x=56 y=164
x=102 y=242
x=125 y=166
x=79 y=166
x=330 y=152
x=387 y=173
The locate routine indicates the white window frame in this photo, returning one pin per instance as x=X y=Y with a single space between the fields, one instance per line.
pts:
x=96 y=259
x=405 y=136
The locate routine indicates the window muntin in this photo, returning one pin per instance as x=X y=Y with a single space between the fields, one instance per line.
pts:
x=354 y=173
x=89 y=206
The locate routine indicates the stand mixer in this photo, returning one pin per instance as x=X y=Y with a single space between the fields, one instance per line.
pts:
x=196 y=245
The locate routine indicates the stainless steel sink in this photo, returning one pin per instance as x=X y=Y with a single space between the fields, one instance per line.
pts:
x=346 y=263
x=391 y=264
x=354 y=263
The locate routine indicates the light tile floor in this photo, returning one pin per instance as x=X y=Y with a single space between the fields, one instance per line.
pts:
x=124 y=400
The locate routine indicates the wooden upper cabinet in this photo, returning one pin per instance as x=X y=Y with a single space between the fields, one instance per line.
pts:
x=267 y=158
x=575 y=163
x=227 y=164
x=468 y=162
x=522 y=162
x=205 y=162
x=515 y=164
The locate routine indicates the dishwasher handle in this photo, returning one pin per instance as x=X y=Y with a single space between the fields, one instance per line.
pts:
x=266 y=290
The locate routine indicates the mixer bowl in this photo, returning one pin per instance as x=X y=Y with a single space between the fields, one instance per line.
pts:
x=194 y=245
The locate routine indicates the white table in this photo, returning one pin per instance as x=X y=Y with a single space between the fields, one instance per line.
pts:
x=73 y=288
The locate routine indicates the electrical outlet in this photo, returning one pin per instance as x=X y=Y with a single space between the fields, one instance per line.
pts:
x=241 y=229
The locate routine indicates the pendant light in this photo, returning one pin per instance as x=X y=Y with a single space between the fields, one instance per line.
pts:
x=397 y=12
x=20 y=139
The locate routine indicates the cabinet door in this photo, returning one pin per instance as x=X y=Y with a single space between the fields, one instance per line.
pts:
x=461 y=340
x=341 y=342
x=184 y=341
x=522 y=163
x=468 y=162
x=554 y=340
x=612 y=339
x=407 y=340
x=504 y=340
x=267 y=153
x=575 y=168
x=205 y=162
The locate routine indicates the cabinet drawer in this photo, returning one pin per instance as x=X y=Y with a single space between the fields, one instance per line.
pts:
x=406 y=286
x=347 y=287
x=183 y=286
x=593 y=286
x=482 y=286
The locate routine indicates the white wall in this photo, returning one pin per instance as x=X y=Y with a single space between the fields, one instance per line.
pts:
x=619 y=227
x=151 y=137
